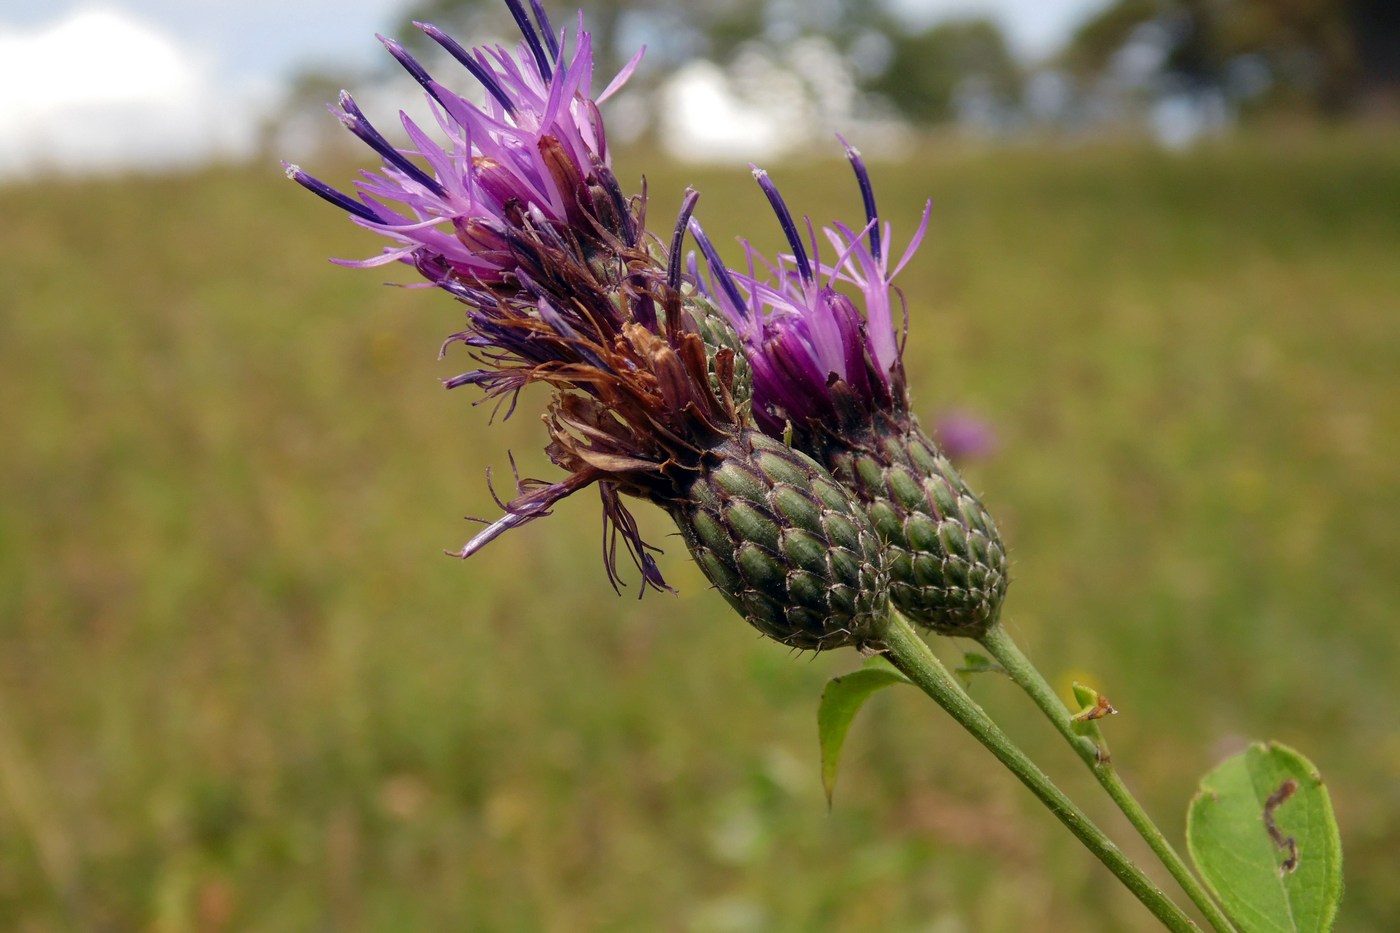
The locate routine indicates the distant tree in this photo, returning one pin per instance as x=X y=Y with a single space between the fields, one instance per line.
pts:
x=928 y=70
x=1377 y=26
x=674 y=31
x=1099 y=38
x=1309 y=47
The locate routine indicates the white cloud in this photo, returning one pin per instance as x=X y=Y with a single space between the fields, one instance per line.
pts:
x=101 y=90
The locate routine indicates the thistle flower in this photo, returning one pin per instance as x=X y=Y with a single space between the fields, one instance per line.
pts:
x=832 y=381
x=521 y=220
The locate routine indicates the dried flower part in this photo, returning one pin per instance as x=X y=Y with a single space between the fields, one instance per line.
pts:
x=786 y=545
x=640 y=403
x=948 y=566
x=829 y=376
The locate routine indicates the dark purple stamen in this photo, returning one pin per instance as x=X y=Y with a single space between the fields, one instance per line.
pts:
x=867 y=195
x=645 y=308
x=799 y=252
x=613 y=188
x=406 y=60
x=484 y=77
x=436 y=270
x=477 y=377
x=552 y=316
x=532 y=37
x=547 y=30
x=323 y=190
x=720 y=271
x=356 y=123
x=673 y=267
x=410 y=64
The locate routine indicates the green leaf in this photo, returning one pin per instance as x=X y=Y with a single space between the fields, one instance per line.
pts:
x=1086 y=696
x=1262 y=834
x=841 y=700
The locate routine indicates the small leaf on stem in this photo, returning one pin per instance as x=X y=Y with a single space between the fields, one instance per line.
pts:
x=1093 y=705
x=841 y=700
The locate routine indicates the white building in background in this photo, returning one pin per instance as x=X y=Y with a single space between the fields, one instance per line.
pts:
x=770 y=104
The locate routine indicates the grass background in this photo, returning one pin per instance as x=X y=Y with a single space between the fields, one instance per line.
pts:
x=240 y=688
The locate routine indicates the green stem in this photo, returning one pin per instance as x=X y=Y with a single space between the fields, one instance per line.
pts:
x=1093 y=750
x=917 y=661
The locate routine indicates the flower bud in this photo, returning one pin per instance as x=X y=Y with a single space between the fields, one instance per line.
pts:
x=948 y=566
x=784 y=543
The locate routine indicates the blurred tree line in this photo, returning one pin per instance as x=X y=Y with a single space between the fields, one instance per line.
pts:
x=916 y=71
x=1216 y=61
x=1322 y=56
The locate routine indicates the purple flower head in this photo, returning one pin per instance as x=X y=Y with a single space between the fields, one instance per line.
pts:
x=535 y=152
x=519 y=218
x=817 y=359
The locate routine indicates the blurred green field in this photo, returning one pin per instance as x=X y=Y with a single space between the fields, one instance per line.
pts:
x=242 y=689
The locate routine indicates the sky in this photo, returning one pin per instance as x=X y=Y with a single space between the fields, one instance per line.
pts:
x=101 y=85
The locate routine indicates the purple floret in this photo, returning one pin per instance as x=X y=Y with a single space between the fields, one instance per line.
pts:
x=813 y=352
x=535 y=151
